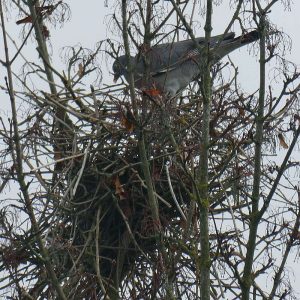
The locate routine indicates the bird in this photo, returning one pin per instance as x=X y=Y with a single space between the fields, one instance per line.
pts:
x=173 y=66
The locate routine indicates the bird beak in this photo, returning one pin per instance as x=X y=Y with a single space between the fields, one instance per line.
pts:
x=116 y=77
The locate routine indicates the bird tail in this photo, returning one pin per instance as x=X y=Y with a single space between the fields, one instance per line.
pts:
x=249 y=37
x=229 y=45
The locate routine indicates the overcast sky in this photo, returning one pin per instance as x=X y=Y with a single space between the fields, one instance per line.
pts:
x=87 y=26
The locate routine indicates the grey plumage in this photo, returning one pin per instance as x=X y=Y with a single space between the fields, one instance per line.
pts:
x=174 y=65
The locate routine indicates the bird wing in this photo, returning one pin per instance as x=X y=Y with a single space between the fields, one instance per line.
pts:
x=166 y=57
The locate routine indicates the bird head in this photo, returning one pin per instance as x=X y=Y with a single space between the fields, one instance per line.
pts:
x=119 y=67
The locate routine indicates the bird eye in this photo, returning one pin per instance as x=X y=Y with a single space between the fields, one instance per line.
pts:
x=116 y=66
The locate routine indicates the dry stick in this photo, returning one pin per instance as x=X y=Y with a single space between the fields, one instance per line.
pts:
x=193 y=12
x=255 y=217
x=97 y=266
x=86 y=152
x=235 y=16
x=203 y=200
x=26 y=61
x=202 y=194
x=280 y=173
x=42 y=47
x=287 y=105
x=152 y=199
x=185 y=23
x=232 y=214
x=20 y=175
x=29 y=32
x=192 y=207
x=61 y=115
x=157 y=195
x=88 y=241
x=57 y=161
x=67 y=86
x=190 y=30
x=294 y=236
x=173 y=194
x=37 y=174
x=141 y=143
x=155 y=214
x=215 y=272
x=96 y=110
x=125 y=219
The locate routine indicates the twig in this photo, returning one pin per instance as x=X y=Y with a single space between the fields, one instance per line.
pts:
x=86 y=152
x=173 y=194
x=19 y=167
x=57 y=161
x=97 y=254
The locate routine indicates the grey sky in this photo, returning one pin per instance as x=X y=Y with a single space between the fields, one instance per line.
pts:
x=87 y=26
x=87 y=30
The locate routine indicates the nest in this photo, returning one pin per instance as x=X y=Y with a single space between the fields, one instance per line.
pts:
x=109 y=214
x=119 y=204
x=102 y=232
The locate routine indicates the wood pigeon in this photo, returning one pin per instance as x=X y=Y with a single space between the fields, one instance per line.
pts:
x=174 y=65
